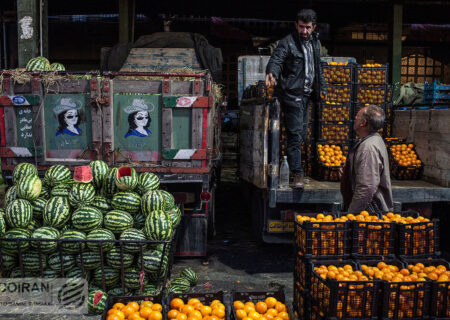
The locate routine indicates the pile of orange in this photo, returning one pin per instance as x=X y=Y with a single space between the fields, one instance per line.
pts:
x=395 y=217
x=417 y=272
x=146 y=310
x=405 y=155
x=195 y=310
x=331 y=155
x=269 y=309
x=334 y=63
x=345 y=273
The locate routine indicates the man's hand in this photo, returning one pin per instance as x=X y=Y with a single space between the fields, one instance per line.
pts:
x=270 y=80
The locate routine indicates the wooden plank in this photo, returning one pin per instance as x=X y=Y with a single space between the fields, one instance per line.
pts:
x=137 y=86
x=38 y=130
x=22 y=88
x=28 y=30
x=186 y=88
x=197 y=121
x=166 y=130
x=10 y=126
x=72 y=86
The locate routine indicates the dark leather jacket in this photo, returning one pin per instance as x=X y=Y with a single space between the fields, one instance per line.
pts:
x=287 y=64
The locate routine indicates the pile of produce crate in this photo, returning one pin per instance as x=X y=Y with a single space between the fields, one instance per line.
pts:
x=436 y=92
x=369 y=266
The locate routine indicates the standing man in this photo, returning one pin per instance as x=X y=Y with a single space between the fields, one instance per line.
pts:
x=365 y=181
x=296 y=70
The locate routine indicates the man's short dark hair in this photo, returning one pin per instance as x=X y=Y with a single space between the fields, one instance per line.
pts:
x=307 y=15
x=374 y=116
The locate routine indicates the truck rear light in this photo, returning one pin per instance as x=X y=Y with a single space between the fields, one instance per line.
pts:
x=205 y=196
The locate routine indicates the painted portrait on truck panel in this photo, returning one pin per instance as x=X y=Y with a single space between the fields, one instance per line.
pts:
x=69 y=118
x=139 y=119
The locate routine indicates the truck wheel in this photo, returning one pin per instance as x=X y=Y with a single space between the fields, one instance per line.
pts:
x=212 y=215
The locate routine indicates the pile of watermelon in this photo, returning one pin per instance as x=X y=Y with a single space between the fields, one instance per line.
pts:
x=42 y=64
x=96 y=203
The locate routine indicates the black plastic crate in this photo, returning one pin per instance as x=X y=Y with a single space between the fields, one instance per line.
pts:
x=126 y=299
x=301 y=303
x=338 y=93
x=302 y=272
x=322 y=239
x=335 y=132
x=336 y=74
x=332 y=112
x=440 y=291
x=402 y=172
x=329 y=173
x=255 y=296
x=344 y=299
x=371 y=74
x=418 y=240
x=205 y=298
x=372 y=94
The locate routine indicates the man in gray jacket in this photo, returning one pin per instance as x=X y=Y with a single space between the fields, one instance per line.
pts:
x=366 y=182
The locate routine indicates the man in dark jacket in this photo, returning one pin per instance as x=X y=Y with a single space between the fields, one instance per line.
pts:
x=296 y=70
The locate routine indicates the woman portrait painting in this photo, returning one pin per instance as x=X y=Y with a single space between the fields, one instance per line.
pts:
x=68 y=114
x=138 y=119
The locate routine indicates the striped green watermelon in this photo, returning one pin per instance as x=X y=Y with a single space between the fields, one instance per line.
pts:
x=56 y=212
x=111 y=276
x=117 y=291
x=17 y=273
x=50 y=274
x=19 y=213
x=34 y=224
x=152 y=261
x=158 y=226
x=190 y=275
x=57 y=174
x=126 y=178
x=100 y=234
x=10 y=195
x=147 y=181
x=97 y=301
x=92 y=288
x=87 y=219
x=33 y=261
x=116 y=260
x=8 y=261
x=139 y=220
x=14 y=246
x=150 y=289
x=29 y=187
x=45 y=233
x=38 y=64
x=61 y=190
x=2 y=212
x=72 y=247
x=175 y=216
x=133 y=235
x=22 y=170
x=128 y=201
x=54 y=262
x=179 y=285
x=118 y=221
x=56 y=66
x=88 y=260
x=81 y=195
x=169 y=201
x=77 y=273
x=131 y=278
x=101 y=203
x=99 y=170
x=109 y=183
x=38 y=206
x=2 y=226
x=151 y=201
x=45 y=192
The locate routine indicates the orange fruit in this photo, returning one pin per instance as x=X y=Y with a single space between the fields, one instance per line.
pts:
x=145 y=312
x=381 y=265
x=157 y=307
x=248 y=308
x=404 y=272
x=127 y=310
x=118 y=305
x=433 y=276
x=261 y=307
x=214 y=318
x=198 y=305
x=214 y=303
x=155 y=315
x=195 y=314
x=238 y=304
x=277 y=318
x=273 y=312
x=172 y=314
x=176 y=303
x=206 y=311
x=134 y=316
x=218 y=312
x=280 y=307
x=240 y=314
x=192 y=301
x=283 y=315
x=254 y=315
x=181 y=316
x=443 y=278
x=270 y=302
x=134 y=305
x=113 y=316
x=187 y=308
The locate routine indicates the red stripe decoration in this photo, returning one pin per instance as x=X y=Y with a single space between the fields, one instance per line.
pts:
x=5 y=101
x=204 y=131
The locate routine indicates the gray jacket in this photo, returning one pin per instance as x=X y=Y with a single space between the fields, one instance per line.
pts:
x=369 y=176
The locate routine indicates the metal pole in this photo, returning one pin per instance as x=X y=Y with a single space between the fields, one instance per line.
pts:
x=41 y=49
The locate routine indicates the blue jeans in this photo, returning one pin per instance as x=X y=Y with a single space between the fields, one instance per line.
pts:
x=296 y=116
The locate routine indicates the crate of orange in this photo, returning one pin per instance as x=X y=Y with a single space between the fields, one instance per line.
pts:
x=301 y=302
x=438 y=271
x=330 y=157
x=258 y=304
x=405 y=294
x=321 y=235
x=339 y=290
x=404 y=162
x=134 y=308
x=197 y=306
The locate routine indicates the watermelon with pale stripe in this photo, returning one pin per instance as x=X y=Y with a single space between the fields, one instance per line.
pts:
x=117 y=291
x=56 y=212
x=115 y=259
x=14 y=246
x=2 y=212
x=169 y=200
x=152 y=261
x=29 y=187
x=88 y=260
x=97 y=301
x=17 y=273
x=18 y=213
x=87 y=219
x=45 y=233
x=111 y=276
x=147 y=181
x=9 y=260
x=126 y=179
x=56 y=263
x=179 y=285
x=139 y=220
x=34 y=224
x=22 y=170
x=128 y=201
x=45 y=192
x=99 y=170
x=73 y=247
x=135 y=237
x=50 y=274
x=151 y=201
x=56 y=66
x=81 y=195
x=77 y=273
x=150 y=289
x=175 y=216
x=101 y=203
x=57 y=174
x=38 y=64
x=38 y=206
x=158 y=226
x=10 y=195
x=118 y=221
x=131 y=278
x=190 y=275
x=109 y=183
x=61 y=190
x=2 y=226
x=33 y=261
x=100 y=234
